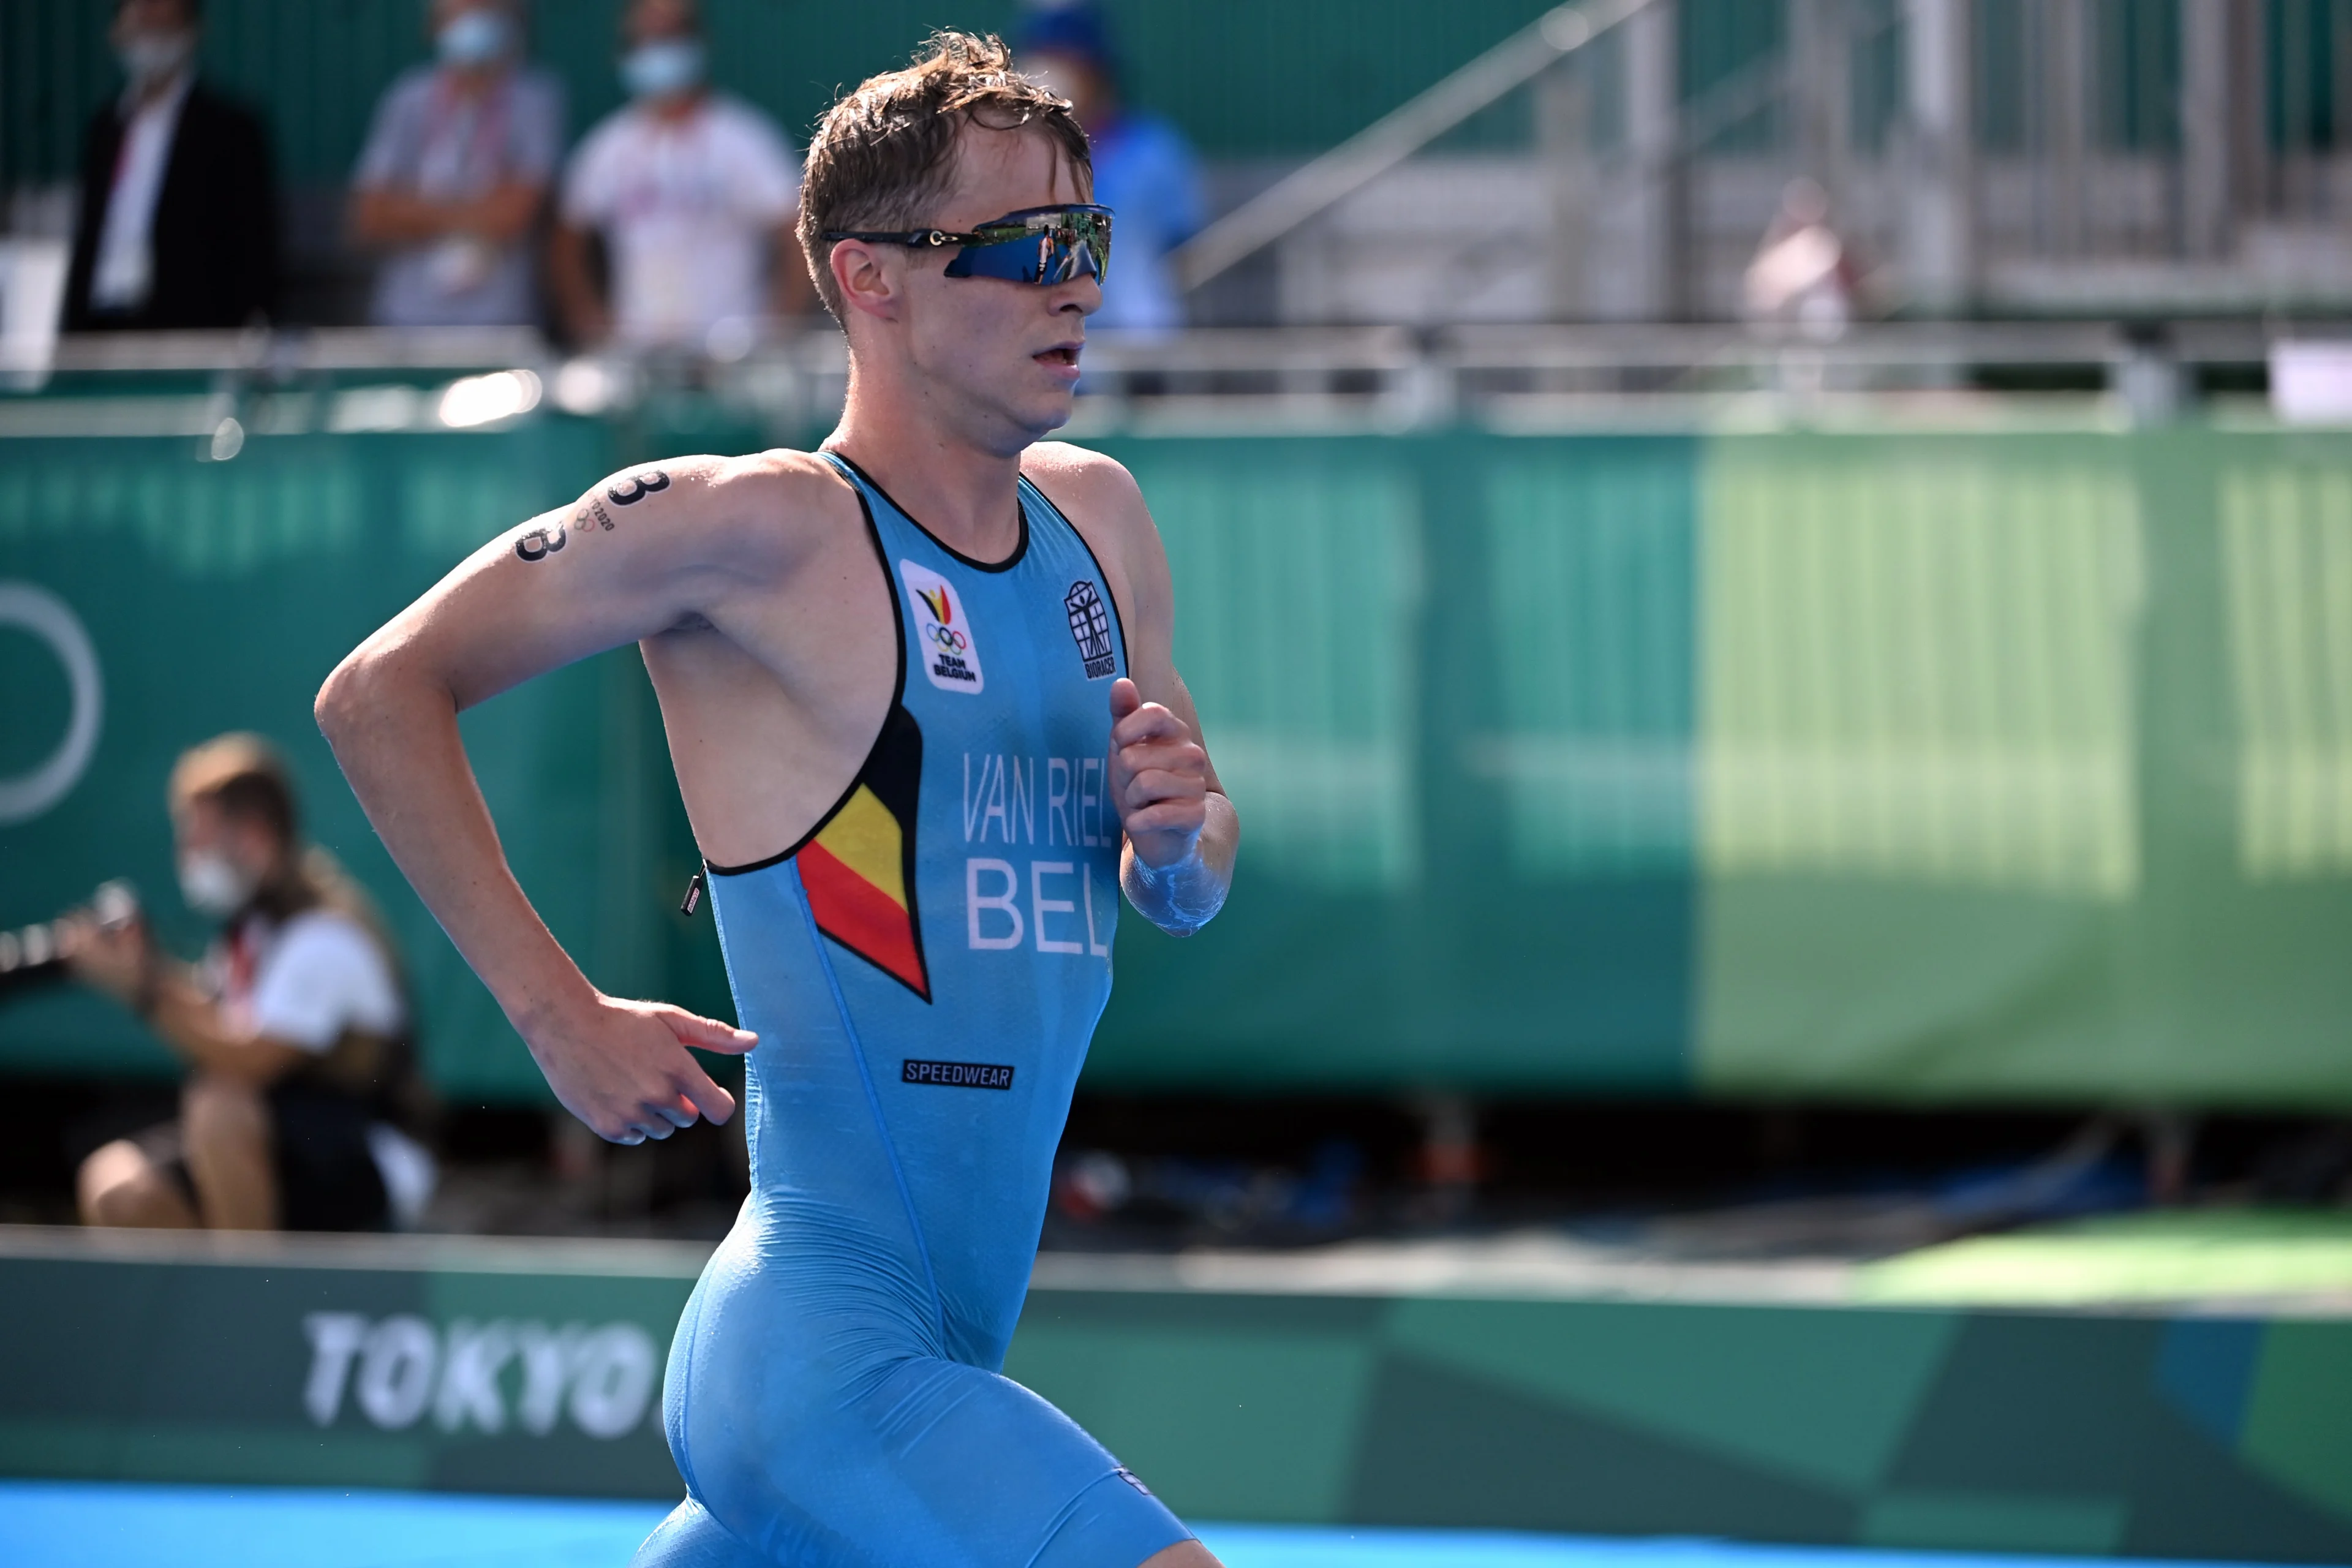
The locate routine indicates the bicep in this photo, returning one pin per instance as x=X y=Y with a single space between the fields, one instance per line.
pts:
x=561 y=586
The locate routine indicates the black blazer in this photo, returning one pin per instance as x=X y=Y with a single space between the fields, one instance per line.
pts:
x=215 y=234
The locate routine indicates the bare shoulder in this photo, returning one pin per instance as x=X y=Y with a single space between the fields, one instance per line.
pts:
x=1091 y=481
x=1103 y=501
x=757 y=514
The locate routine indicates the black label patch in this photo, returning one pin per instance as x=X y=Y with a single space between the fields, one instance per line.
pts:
x=1089 y=628
x=957 y=1075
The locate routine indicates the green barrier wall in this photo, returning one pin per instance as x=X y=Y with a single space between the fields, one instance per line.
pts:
x=495 y=1367
x=1920 y=767
x=218 y=595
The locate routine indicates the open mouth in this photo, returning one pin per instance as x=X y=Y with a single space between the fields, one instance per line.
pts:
x=1068 y=355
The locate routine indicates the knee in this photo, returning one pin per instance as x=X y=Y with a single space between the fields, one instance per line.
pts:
x=117 y=1185
x=218 y=1113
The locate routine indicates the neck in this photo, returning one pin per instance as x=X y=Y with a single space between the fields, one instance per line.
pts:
x=284 y=891
x=676 y=106
x=158 y=88
x=962 y=490
x=473 y=80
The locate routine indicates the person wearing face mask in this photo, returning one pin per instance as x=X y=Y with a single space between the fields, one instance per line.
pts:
x=1143 y=167
x=693 y=195
x=178 y=225
x=456 y=169
x=294 y=1027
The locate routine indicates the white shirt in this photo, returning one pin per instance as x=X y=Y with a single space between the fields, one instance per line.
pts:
x=688 y=208
x=124 y=273
x=304 y=982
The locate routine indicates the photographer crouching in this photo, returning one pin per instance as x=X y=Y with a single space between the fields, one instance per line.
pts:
x=295 y=1027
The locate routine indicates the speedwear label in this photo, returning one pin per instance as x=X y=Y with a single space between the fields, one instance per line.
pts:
x=957 y=1075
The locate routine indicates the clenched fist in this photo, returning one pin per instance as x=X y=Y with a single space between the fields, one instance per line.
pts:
x=1159 y=778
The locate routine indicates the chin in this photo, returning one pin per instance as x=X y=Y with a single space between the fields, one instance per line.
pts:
x=1044 y=415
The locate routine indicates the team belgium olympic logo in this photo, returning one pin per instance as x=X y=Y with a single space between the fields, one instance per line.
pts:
x=944 y=636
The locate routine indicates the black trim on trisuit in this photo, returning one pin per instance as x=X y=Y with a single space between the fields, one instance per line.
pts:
x=1125 y=653
x=898 y=688
x=1007 y=564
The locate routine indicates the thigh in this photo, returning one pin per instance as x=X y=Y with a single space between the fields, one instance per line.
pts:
x=327 y=1178
x=933 y=1461
x=690 y=1538
x=125 y=1182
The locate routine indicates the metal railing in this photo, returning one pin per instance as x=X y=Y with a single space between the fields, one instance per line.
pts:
x=1382 y=377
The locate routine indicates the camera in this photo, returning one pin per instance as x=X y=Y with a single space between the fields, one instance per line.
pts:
x=30 y=957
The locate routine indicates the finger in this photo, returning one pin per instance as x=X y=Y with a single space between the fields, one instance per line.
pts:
x=679 y=1112
x=1179 y=757
x=1167 y=816
x=1149 y=722
x=1150 y=788
x=706 y=1097
x=707 y=1034
x=1124 y=699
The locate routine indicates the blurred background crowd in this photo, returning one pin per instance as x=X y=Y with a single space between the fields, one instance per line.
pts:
x=475 y=199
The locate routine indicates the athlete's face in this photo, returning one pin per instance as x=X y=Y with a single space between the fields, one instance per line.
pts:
x=1006 y=352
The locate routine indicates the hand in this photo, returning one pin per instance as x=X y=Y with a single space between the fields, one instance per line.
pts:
x=115 y=958
x=1159 y=778
x=622 y=1067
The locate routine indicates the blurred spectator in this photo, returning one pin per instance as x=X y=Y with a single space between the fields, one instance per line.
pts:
x=295 y=1028
x=1143 y=166
x=1803 y=274
x=178 y=226
x=457 y=165
x=694 y=195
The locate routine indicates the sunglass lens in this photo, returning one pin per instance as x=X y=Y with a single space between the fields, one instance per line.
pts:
x=1066 y=245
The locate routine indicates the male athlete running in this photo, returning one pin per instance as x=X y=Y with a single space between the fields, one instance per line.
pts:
x=921 y=759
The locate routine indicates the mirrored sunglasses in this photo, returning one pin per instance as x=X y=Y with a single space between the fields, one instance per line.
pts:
x=1037 y=245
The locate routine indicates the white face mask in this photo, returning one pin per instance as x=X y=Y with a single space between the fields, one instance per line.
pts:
x=663 y=69
x=211 y=883
x=151 y=56
x=473 y=37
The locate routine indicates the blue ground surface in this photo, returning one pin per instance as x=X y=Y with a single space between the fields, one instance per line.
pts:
x=45 y=1524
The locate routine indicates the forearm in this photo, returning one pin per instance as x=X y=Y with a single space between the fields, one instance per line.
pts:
x=1180 y=898
x=575 y=291
x=394 y=731
x=392 y=218
x=189 y=1021
x=396 y=217
x=505 y=214
x=790 y=289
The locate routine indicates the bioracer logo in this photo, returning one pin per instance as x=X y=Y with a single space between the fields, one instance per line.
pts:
x=943 y=631
x=1089 y=628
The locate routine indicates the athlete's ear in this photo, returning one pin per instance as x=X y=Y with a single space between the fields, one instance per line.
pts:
x=871 y=277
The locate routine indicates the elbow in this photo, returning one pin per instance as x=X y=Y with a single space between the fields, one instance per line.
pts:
x=345 y=696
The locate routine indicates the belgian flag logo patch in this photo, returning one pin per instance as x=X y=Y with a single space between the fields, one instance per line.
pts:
x=859 y=869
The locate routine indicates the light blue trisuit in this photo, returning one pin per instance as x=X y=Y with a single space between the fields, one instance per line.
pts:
x=924 y=970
